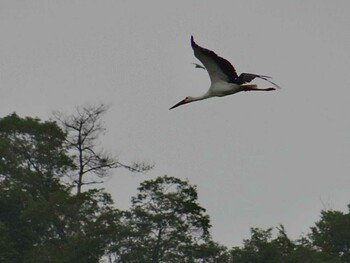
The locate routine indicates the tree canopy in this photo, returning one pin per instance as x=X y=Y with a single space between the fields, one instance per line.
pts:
x=30 y=146
x=166 y=224
x=43 y=221
x=40 y=219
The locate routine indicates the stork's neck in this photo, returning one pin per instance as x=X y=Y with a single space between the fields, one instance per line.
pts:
x=202 y=97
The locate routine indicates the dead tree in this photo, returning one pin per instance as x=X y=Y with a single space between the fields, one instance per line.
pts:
x=83 y=131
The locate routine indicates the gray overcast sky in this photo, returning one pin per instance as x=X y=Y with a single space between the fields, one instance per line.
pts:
x=258 y=159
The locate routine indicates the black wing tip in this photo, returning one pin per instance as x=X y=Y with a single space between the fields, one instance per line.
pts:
x=268 y=79
x=193 y=44
x=264 y=77
x=248 y=77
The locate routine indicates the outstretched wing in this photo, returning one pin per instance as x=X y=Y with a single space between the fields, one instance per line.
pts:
x=248 y=77
x=219 y=69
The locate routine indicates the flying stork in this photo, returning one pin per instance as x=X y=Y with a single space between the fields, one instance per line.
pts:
x=223 y=76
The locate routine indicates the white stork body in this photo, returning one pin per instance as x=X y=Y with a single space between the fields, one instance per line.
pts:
x=223 y=76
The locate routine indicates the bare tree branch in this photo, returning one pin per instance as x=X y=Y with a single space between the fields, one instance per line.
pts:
x=83 y=130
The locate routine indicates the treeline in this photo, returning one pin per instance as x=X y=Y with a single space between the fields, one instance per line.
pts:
x=48 y=216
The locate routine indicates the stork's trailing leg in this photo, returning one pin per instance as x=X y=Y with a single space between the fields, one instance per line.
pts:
x=254 y=88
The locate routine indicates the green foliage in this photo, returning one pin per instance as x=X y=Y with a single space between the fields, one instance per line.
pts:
x=61 y=227
x=331 y=234
x=27 y=144
x=211 y=252
x=79 y=230
x=262 y=247
x=40 y=220
x=166 y=224
x=32 y=158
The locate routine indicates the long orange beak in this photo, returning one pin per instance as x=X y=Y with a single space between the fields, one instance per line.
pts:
x=178 y=104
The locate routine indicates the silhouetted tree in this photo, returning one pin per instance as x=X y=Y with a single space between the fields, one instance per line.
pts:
x=32 y=152
x=84 y=129
x=40 y=220
x=263 y=247
x=331 y=234
x=166 y=224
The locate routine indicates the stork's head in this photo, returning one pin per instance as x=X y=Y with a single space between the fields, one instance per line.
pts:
x=184 y=101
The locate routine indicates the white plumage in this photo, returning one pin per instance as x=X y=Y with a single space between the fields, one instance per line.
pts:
x=223 y=76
